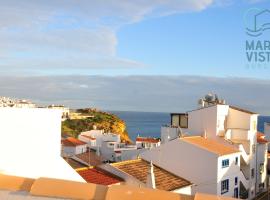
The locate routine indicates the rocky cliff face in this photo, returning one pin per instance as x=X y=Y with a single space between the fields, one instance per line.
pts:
x=86 y=119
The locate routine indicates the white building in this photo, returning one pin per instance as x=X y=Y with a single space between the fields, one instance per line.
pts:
x=267 y=132
x=62 y=108
x=146 y=142
x=226 y=126
x=72 y=146
x=30 y=144
x=110 y=147
x=16 y=103
x=91 y=141
x=99 y=136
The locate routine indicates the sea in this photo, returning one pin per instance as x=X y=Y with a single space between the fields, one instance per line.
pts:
x=148 y=124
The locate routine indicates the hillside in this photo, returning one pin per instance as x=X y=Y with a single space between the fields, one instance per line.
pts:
x=84 y=120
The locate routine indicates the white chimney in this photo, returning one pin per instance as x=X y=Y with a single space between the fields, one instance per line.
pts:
x=150 y=181
x=205 y=134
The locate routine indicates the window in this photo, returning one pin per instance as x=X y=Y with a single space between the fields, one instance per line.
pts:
x=225 y=163
x=236 y=160
x=179 y=119
x=261 y=168
x=261 y=186
x=236 y=193
x=224 y=186
x=252 y=173
x=236 y=181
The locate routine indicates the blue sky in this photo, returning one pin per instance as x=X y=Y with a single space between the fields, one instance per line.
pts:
x=210 y=42
x=195 y=37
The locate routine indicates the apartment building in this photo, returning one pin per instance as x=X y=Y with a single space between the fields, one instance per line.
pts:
x=240 y=174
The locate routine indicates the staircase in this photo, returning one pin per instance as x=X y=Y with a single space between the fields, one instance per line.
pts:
x=243 y=193
x=244 y=184
x=244 y=155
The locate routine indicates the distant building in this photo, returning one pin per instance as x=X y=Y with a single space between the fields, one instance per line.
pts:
x=110 y=147
x=72 y=146
x=146 y=142
x=62 y=108
x=16 y=103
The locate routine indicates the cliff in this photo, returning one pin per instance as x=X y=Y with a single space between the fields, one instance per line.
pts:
x=84 y=120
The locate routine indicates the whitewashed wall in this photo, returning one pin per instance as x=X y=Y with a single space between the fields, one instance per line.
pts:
x=30 y=144
x=187 y=161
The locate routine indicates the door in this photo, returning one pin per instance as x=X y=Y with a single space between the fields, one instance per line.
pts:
x=235 y=192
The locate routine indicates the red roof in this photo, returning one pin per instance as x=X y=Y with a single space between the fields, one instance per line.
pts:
x=149 y=140
x=72 y=142
x=99 y=176
x=261 y=138
x=88 y=137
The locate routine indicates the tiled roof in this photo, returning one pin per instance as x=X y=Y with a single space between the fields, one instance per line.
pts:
x=145 y=139
x=74 y=164
x=90 y=158
x=14 y=188
x=98 y=176
x=139 y=169
x=88 y=137
x=70 y=141
x=210 y=145
x=261 y=138
x=242 y=110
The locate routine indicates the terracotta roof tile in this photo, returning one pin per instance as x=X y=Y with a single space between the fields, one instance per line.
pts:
x=90 y=157
x=70 y=141
x=145 y=139
x=88 y=137
x=164 y=179
x=210 y=145
x=261 y=138
x=98 y=176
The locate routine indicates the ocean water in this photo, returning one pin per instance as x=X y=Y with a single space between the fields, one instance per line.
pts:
x=148 y=124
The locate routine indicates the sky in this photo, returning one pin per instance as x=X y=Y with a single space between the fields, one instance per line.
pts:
x=100 y=52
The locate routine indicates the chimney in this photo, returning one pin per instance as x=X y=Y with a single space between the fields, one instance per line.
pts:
x=204 y=135
x=150 y=181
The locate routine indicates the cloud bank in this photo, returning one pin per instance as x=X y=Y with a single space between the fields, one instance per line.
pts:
x=36 y=35
x=138 y=93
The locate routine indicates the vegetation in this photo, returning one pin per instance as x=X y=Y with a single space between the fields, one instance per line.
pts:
x=85 y=119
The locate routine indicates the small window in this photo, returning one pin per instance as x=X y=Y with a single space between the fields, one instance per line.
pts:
x=224 y=186
x=225 y=163
x=261 y=168
x=236 y=181
x=252 y=173
x=236 y=160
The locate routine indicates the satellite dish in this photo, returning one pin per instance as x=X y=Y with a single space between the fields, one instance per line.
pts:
x=209 y=97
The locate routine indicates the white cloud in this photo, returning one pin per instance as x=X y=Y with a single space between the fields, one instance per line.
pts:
x=36 y=35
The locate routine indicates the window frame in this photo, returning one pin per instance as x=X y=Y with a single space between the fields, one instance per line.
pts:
x=236 y=180
x=225 y=163
x=225 y=186
x=236 y=160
